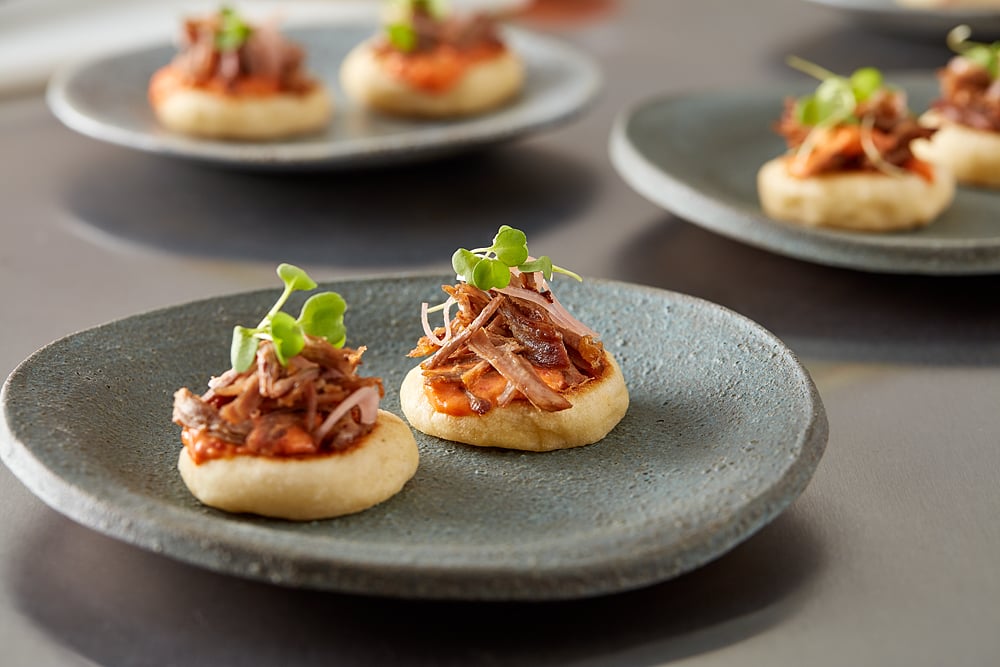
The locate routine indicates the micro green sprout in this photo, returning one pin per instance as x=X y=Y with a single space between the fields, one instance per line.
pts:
x=986 y=56
x=488 y=268
x=233 y=31
x=322 y=315
x=836 y=97
x=402 y=36
x=399 y=30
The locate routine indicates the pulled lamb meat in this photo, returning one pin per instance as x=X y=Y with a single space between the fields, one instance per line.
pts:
x=506 y=345
x=841 y=148
x=463 y=33
x=315 y=404
x=969 y=95
x=265 y=54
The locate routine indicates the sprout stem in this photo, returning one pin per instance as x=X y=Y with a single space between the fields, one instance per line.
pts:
x=957 y=37
x=812 y=69
x=567 y=272
x=277 y=306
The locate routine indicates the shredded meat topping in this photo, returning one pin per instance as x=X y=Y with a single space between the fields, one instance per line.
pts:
x=277 y=410
x=969 y=95
x=265 y=54
x=463 y=33
x=841 y=147
x=506 y=348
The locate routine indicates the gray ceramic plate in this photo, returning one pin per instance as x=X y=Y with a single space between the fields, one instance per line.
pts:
x=106 y=99
x=724 y=430
x=889 y=16
x=698 y=155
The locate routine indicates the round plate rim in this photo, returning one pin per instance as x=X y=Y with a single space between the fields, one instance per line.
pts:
x=886 y=7
x=860 y=251
x=397 y=577
x=925 y=23
x=420 y=143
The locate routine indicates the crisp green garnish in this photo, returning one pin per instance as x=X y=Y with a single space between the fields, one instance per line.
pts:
x=865 y=82
x=402 y=36
x=837 y=96
x=322 y=315
x=233 y=31
x=436 y=8
x=399 y=27
x=986 y=56
x=488 y=268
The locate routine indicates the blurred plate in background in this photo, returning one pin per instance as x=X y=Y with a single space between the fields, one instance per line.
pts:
x=106 y=99
x=890 y=16
x=697 y=155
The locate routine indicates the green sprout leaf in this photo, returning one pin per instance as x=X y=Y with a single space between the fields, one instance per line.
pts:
x=402 y=36
x=986 y=56
x=244 y=348
x=436 y=8
x=489 y=268
x=836 y=98
x=865 y=82
x=806 y=111
x=464 y=262
x=398 y=20
x=510 y=245
x=287 y=336
x=295 y=278
x=543 y=264
x=491 y=273
x=233 y=31
x=322 y=315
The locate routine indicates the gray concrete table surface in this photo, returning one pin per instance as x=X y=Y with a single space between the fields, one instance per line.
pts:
x=890 y=557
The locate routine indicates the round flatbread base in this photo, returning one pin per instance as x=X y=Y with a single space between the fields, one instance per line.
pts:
x=485 y=85
x=304 y=489
x=972 y=155
x=210 y=115
x=597 y=407
x=858 y=201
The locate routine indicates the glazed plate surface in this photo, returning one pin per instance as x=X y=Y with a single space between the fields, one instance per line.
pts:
x=106 y=99
x=697 y=155
x=925 y=23
x=724 y=430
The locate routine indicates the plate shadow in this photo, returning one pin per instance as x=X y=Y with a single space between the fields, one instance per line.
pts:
x=822 y=311
x=403 y=215
x=118 y=605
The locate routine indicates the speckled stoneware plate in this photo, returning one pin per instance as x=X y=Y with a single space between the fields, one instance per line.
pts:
x=106 y=99
x=928 y=23
x=698 y=155
x=724 y=430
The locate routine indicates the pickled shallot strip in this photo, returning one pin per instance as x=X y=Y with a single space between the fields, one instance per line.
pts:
x=459 y=339
x=365 y=399
x=428 y=331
